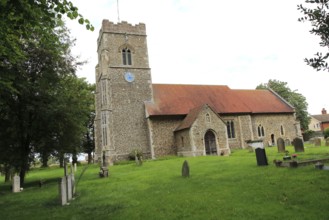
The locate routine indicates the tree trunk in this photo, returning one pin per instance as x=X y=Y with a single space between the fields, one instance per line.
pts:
x=89 y=157
x=8 y=173
x=61 y=160
x=74 y=158
x=44 y=159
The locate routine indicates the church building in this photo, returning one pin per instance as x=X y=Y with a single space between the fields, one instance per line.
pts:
x=132 y=113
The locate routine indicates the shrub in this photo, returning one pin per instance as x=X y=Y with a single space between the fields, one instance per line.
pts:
x=134 y=153
x=326 y=133
x=307 y=135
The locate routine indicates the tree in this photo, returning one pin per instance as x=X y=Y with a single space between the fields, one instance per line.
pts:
x=318 y=15
x=74 y=105
x=20 y=18
x=297 y=100
x=88 y=143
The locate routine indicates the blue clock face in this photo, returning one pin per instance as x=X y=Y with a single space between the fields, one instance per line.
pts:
x=129 y=77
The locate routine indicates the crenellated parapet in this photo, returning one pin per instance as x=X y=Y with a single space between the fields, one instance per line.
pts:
x=123 y=28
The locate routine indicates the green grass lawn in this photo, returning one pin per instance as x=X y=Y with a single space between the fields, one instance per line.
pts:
x=232 y=187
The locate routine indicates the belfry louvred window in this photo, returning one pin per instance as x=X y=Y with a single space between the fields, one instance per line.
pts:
x=126 y=56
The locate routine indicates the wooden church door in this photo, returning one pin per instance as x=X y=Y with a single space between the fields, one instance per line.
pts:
x=210 y=143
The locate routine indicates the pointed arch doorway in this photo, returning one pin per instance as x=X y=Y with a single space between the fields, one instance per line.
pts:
x=210 y=143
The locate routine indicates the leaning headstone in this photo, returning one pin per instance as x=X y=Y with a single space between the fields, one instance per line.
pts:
x=65 y=169
x=317 y=142
x=327 y=141
x=299 y=145
x=16 y=184
x=73 y=184
x=62 y=190
x=287 y=142
x=281 y=145
x=185 y=169
x=69 y=187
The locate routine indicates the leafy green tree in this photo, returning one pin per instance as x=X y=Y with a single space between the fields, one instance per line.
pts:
x=21 y=18
x=326 y=133
x=34 y=60
x=317 y=13
x=297 y=100
x=88 y=143
x=75 y=101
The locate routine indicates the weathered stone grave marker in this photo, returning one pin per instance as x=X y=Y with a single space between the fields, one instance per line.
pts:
x=16 y=184
x=62 y=190
x=287 y=142
x=327 y=141
x=66 y=186
x=185 y=169
x=298 y=145
x=317 y=142
x=281 y=145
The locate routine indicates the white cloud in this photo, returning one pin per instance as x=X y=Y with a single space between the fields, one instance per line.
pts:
x=236 y=43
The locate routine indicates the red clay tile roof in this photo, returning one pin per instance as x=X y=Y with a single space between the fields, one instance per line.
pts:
x=171 y=99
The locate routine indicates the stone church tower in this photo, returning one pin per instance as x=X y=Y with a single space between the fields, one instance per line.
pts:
x=123 y=83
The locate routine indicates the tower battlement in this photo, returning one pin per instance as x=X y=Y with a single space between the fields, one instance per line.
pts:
x=123 y=28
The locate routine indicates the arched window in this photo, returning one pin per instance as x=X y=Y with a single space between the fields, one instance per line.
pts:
x=104 y=128
x=230 y=129
x=282 y=131
x=104 y=91
x=126 y=56
x=261 y=132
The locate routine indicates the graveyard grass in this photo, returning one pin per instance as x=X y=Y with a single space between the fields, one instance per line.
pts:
x=219 y=187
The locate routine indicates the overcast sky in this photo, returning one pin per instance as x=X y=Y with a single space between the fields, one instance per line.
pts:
x=219 y=42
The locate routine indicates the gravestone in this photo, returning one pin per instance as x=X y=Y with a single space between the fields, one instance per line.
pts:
x=261 y=156
x=185 y=169
x=298 y=145
x=317 y=142
x=65 y=169
x=287 y=142
x=62 y=190
x=73 y=184
x=327 y=141
x=69 y=187
x=75 y=167
x=281 y=145
x=16 y=184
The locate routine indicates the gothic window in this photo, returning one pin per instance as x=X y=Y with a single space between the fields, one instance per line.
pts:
x=126 y=56
x=282 y=131
x=230 y=129
x=103 y=94
x=261 y=132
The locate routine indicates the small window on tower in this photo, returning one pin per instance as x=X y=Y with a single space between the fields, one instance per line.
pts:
x=126 y=56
